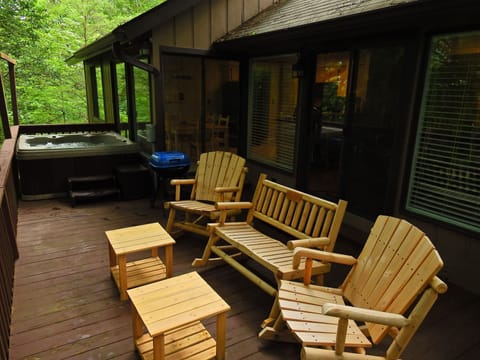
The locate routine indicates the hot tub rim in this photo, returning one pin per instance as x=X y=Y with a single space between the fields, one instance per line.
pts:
x=37 y=153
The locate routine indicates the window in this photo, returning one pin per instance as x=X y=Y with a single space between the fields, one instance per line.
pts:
x=445 y=174
x=141 y=90
x=272 y=113
x=122 y=93
x=122 y=98
x=99 y=105
x=142 y=96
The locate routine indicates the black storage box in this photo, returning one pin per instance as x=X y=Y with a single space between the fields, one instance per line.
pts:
x=134 y=181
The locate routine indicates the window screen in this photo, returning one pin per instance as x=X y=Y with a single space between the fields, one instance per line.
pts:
x=272 y=113
x=445 y=176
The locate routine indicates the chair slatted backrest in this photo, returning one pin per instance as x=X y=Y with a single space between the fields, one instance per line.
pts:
x=218 y=169
x=396 y=264
x=297 y=213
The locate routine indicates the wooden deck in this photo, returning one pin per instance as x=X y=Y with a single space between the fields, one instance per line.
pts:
x=66 y=306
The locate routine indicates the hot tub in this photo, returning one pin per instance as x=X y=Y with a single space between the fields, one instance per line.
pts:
x=48 y=146
x=45 y=161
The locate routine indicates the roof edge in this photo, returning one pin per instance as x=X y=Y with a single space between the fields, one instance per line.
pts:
x=132 y=29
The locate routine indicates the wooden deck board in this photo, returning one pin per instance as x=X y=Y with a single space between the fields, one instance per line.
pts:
x=66 y=305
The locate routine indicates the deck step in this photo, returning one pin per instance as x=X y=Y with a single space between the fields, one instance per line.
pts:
x=92 y=187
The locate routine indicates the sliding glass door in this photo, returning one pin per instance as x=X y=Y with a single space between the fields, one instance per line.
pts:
x=327 y=122
x=355 y=109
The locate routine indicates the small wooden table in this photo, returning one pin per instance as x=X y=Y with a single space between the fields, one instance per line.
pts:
x=139 y=272
x=171 y=311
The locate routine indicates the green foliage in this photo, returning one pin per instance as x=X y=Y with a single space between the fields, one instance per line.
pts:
x=40 y=35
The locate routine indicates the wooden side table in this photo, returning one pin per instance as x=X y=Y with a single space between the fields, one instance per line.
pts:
x=171 y=311
x=134 y=239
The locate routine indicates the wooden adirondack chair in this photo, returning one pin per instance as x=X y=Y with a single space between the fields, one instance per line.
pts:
x=391 y=287
x=219 y=176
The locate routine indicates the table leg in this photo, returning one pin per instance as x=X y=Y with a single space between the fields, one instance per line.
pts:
x=122 y=276
x=154 y=252
x=169 y=260
x=137 y=325
x=159 y=347
x=221 y=335
x=112 y=255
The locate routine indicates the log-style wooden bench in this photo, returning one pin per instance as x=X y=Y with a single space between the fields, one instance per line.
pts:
x=309 y=220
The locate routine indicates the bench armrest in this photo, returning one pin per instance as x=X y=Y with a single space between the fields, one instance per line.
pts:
x=320 y=255
x=308 y=243
x=365 y=315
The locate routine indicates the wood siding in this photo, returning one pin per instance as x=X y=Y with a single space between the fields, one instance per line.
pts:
x=202 y=24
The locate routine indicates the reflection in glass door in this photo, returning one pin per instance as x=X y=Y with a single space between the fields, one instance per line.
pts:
x=327 y=122
x=183 y=104
x=202 y=104
x=222 y=105
x=351 y=150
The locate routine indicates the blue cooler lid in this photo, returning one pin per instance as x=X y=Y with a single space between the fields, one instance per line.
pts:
x=169 y=159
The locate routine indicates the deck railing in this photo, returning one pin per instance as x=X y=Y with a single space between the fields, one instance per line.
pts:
x=8 y=237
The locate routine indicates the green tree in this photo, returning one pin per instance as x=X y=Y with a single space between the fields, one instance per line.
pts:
x=41 y=35
x=21 y=22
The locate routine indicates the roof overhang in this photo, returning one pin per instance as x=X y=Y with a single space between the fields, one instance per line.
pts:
x=264 y=35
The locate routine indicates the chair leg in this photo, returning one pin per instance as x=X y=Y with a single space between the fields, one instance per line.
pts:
x=274 y=327
x=319 y=279
x=277 y=332
x=274 y=314
x=171 y=219
x=206 y=252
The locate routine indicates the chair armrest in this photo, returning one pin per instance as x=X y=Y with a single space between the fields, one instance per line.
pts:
x=308 y=243
x=223 y=189
x=182 y=181
x=178 y=184
x=365 y=315
x=320 y=255
x=230 y=205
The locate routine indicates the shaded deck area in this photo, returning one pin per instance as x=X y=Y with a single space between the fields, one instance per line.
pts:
x=67 y=307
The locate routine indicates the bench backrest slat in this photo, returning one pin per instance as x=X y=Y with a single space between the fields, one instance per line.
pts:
x=297 y=213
